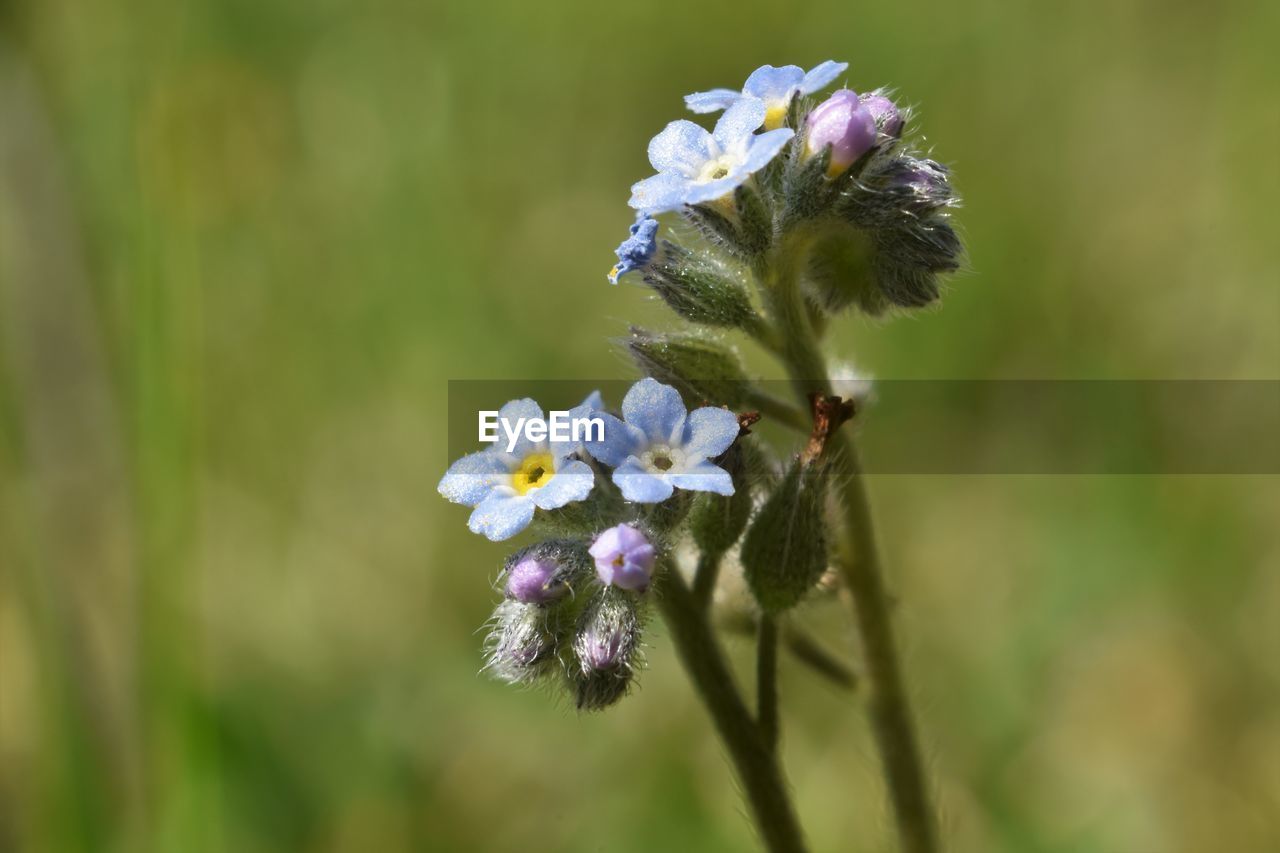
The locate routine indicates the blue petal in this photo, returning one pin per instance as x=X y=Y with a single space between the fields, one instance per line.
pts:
x=681 y=147
x=703 y=477
x=469 y=480
x=592 y=404
x=699 y=193
x=640 y=486
x=572 y=482
x=765 y=147
x=510 y=414
x=656 y=410
x=638 y=249
x=709 y=431
x=821 y=75
x=774 y=84
x=501 y=516
x=710 y=102
x=660 y=193
x=591 y=407
x=739 y=121
x=620 y=441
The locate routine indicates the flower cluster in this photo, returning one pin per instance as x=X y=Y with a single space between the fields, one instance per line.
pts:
x=799 y=211
x=574 y=604
x=840 y=176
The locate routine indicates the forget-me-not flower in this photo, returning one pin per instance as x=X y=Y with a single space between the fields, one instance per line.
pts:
x=636 y=251
x=695 y=166
x=506 y=487
x=660 y=446
x=774 y=86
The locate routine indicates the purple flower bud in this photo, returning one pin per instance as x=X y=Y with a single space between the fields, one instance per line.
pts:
x=533 y=581
x=600 y=649
x=520 y=647
x=885 y=112
x=623 y=558
x=844 y=123
x=607 y=647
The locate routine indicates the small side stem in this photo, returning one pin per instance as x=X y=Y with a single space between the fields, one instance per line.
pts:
x=767 y=681
x=774 y=409
x=756 y=765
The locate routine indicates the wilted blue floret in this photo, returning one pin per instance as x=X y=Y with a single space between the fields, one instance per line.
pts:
x=695 y=166
x=660 y=446
x=505 y=488
x=774 y=86
x=636 y=251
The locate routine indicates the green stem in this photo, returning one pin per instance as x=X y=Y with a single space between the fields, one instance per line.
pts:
x=756 y=765
x=807 y=650
x=767 y=681
x=890 y=709
x=704 y=578
x=773 y=409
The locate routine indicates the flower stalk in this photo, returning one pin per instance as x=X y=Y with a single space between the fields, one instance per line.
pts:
x=754 y=760
x=861 y=569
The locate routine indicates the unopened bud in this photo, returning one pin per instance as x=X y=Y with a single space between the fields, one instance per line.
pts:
x=699 y=291
x=717 y=521
x=606 y=647
x=702 y=370
x=522 y=645
x=624 y=558
x=785 y=550
x=885 y=113
x=545 y=572
x=844 y=123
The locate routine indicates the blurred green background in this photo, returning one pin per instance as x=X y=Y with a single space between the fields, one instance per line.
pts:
x=245 y=243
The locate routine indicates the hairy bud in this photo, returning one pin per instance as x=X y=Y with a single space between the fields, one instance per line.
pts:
x=606 y=646
x=699 y=291
x=885 y=112
x=522 y=645
x=843 y=123
x=785 y=551
x=805 y=190
x=702 y=370
x=839 y=273
x=715 y=221
x=717 y=521
x=547 y=571
x=755 y=220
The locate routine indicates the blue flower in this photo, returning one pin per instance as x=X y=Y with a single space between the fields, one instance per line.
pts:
x=775 y=86
x=505 y=487
x=695 y=166
x=661 y=446
x=636 y=251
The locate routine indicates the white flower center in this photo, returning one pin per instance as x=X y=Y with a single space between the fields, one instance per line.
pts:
x=661 y=459
x=716 y=168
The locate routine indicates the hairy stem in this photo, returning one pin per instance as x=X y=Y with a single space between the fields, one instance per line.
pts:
x=774 y=409
x=861 y=568
x=767 y=681
x=756 y=765
x=704 y=578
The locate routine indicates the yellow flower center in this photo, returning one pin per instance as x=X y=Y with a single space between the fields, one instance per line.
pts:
x=775 y=115
x=534 y=471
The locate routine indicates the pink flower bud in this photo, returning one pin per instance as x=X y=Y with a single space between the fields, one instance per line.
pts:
x=885 y=112
x=844 y=123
